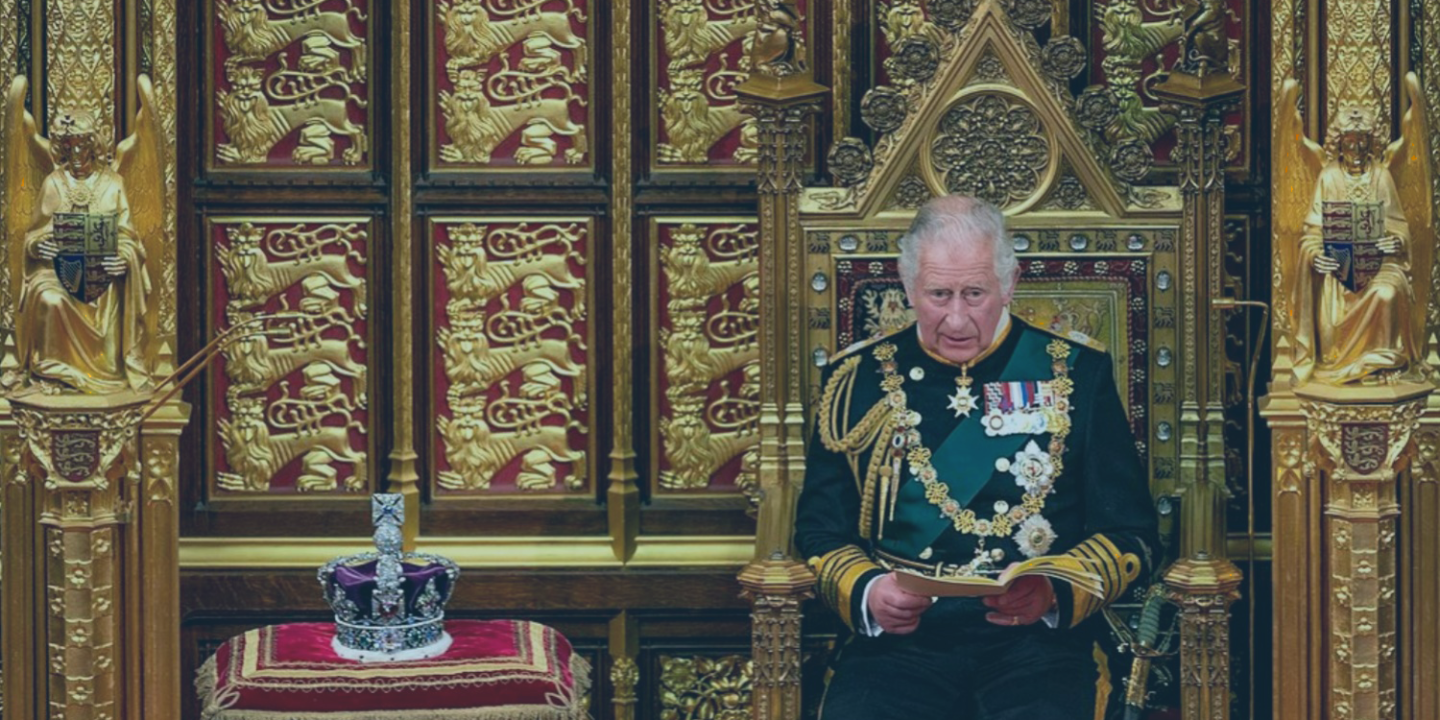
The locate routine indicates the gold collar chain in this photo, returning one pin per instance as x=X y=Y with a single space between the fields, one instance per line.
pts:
x=905 y=446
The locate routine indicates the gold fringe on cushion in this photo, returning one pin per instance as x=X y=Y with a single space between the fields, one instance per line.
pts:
x=211 y=702
x=565 y=703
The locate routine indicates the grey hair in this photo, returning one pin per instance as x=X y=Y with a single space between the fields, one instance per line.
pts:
x=952 y=219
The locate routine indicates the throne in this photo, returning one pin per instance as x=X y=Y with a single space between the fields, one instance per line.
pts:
x=1102 y=262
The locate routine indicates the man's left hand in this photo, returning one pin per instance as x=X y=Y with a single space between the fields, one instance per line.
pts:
x=1390 y=244
x=115 y=266
x=1027 y=600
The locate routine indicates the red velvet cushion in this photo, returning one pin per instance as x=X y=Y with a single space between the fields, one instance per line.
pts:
x=498 y=668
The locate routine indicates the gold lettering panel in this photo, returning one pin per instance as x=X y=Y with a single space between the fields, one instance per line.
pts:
x=707 y=326
x=510 y=83
x=290 y=403
x=289 y=82
x=701 y=55
x=510 y=365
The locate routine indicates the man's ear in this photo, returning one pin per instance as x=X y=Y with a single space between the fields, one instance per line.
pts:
x=1013 y=283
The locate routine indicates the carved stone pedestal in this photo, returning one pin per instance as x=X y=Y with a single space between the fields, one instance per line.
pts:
x=90 y=549
x=1336 y=523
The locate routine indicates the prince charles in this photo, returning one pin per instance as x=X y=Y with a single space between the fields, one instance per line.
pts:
x=959 y=445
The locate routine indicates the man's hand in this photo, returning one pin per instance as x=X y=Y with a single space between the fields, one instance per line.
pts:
x=1324 y=264
x=1390 y=244
x=1027 y=600
x=897 y=612
x=47 y=249
x=115 y=266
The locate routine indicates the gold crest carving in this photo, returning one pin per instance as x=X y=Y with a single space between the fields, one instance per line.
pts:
x=294 y=397
x=513 y=82
x=291 y=82
x=709 y=340
x=512 y=347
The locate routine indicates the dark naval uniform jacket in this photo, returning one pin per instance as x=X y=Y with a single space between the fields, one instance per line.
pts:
x=851 y=517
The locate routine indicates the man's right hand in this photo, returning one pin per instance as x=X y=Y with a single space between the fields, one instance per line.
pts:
x=47 y=249
x=896 y=611
x=1324 y=264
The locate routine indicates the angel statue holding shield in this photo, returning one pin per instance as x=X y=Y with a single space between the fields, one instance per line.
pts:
x=79 y=229
x=1356 y=239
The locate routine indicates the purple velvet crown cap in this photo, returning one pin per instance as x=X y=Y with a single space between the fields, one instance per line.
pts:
x=388 y=604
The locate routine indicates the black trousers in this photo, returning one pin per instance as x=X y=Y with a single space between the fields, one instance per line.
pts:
x=965 y=671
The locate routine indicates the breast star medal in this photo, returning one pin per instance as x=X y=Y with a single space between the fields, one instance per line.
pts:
x=964 y=399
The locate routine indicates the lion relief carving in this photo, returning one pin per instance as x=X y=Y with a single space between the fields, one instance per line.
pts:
x=476 y=126
x=693 y=125
x=473 y=36
x=253 y=126
x=252 y=35
x=691 y=37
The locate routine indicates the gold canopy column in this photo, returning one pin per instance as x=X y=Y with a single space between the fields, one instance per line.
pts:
x=1203 y=582
x=91 y=608
x=780 y=94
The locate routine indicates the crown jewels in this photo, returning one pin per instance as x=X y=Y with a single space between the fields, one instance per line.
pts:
x=389 y=605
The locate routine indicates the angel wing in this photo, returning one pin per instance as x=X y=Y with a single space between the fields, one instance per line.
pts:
x=1409 y=161
x=27 y=163
x=1298 y=162
x=138 y=162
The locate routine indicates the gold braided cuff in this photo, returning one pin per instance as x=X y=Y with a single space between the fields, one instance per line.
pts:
x=841 y=572
x=1116 y=570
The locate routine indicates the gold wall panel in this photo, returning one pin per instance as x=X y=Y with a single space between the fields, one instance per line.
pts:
x=1357 y=57
x=511 y=380
x=291 y=407
x=705 y=688
x=698 y=56
x=290 y=84
x=706 y=372
x=80 y=63
x=509 y=83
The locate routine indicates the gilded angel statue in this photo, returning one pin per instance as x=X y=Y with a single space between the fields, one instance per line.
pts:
x=78 y=230
x=1355 y=229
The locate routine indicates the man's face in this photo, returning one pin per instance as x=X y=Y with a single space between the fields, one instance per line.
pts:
x=1356 y=149
x=958 y=299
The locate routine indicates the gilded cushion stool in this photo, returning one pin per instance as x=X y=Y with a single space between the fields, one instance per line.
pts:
x=500 y=669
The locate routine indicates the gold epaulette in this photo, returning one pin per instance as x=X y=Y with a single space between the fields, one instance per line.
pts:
x=1075 y=336
x=859 y=345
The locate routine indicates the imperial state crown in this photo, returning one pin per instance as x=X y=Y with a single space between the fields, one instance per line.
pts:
x=389 y=605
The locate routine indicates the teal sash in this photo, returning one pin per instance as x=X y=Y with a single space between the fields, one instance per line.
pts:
x=966 y=460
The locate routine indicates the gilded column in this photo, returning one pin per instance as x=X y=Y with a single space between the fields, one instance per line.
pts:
x=780 y=94
x=83 y=453
x=157 y=573
x=1361 y=444
x=623 y=496
x=165 y=74
x=403 y=477
x=21 y=587
x=1203 y=583
x=624 y=672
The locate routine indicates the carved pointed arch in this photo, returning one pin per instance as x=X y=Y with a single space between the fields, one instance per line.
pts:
x=991 y=100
